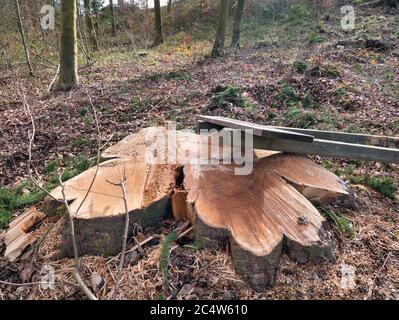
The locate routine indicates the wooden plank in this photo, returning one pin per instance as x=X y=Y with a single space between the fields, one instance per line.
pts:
x=320 y=147
x=258 y=130
x=381 y=141
x=331 y=149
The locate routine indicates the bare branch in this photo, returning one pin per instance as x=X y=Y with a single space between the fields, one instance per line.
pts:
x=125 y=232
x=31 y=139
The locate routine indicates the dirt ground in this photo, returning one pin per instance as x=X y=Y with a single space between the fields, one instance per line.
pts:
x=359 y=93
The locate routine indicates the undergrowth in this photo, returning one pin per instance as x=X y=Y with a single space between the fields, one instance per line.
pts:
x=27 y=194
x=341 y=223
x=165 y=252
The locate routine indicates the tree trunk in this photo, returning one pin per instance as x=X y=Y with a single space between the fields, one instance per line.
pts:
x=90 y=25
x=158 y=23
x=235 y=42
x=68 y=77
x=221 y=29
x=169 y=7
x=22 y=32
x=111 y=6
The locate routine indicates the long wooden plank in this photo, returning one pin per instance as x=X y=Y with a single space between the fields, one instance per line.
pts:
x=381 y=141
x=331 y=149
x=318 y=147
x=258 y=130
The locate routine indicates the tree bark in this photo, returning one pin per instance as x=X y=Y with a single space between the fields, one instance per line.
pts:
x=68 y=77
x=22 y=32
x=90 y=25
x=158 y=23
x=235 y=42
x=111 y=6
x=221 y=29
x=169 y=7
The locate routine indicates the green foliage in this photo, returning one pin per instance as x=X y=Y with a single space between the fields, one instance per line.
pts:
x=50 y=166
x=314 y=38
x=27 y=194
x=80 y=142
x=300 y=66
x=299 y=118
x=4 y=218
x=331 y=71
x=297 y=14
x=385 y=186
x=288 y=95
x=179 y=75
x=13 y=198
x=341 y=223
x=165 y=252
x=223 y=96
x=195 y=245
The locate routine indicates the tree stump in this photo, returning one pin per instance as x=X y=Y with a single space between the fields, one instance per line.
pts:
x=261 y=215
x=264 y=214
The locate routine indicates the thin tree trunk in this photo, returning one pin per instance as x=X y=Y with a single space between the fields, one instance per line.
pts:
x=221 y=30
x=158 y=23
x=235 y=42
x=21 y=30
x=68 y=77
x=89 y=24
x=111 y=6
x=169 y=7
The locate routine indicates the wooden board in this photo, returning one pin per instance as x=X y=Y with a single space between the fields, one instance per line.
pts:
x=373 y=140
x=258 y=130
x=318 y=146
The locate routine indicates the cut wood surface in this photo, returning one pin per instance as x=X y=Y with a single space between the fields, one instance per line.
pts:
x=99 y=222
x=262 y=214
x=20 y=233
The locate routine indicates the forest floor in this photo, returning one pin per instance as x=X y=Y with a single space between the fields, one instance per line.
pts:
x=307 y=82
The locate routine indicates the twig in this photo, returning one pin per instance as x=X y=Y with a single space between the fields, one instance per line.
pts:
x=31 y=139
x=76 y=273
x=23 y=284
x=142 y=243
x=371 y=288
x=98 y=155
x=55 y=78
x=125 y=233
x=83 y=286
